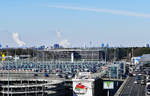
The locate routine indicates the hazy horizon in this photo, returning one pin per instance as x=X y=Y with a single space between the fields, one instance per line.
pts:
x=74 y=23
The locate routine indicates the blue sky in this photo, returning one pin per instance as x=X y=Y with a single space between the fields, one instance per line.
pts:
x=117 y=22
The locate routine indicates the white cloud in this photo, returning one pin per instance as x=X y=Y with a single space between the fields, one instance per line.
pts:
x=17 y=40
x=117 y=12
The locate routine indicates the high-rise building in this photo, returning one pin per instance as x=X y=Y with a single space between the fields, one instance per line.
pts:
x=147 y=46
x=102 y=45
x=56 y=46
x=0 y=46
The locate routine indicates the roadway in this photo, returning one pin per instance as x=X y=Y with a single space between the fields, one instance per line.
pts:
x=132 y=89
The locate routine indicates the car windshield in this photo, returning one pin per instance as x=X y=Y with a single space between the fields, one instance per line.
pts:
x=138 y=78
x=148 y=87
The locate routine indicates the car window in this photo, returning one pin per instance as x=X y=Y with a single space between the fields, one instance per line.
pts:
x=138 y=77
x=148 y=86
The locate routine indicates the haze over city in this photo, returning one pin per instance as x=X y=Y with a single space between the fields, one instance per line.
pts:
x=74 y=48
x=75 y=23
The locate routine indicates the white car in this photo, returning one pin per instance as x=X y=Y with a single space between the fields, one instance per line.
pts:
x=134 y=74
x=143 y=82
x=140 y=74
x=135 y=82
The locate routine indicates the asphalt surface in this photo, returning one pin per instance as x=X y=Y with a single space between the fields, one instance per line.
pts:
x=132 y=89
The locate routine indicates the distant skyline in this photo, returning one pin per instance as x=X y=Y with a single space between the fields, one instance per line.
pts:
x=75 y=23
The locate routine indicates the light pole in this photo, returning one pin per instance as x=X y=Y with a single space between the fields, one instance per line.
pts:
x=7 y=62
x=8 y=77
x=105 y=55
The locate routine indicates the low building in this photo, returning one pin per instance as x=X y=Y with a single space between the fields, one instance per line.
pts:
x=135 y=60
x=79 y=54
x=145 y=60
x=117 y=70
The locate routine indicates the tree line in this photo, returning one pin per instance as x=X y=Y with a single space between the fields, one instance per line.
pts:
x=111 y=53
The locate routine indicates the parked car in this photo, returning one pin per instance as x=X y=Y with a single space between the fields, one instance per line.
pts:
x=138 y=79
x=148 y=88
x=46 y=75
x=135 y=82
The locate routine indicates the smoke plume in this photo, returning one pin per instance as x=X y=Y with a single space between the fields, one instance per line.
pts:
x=17 y=40
x=58 y=34
x=63 y=42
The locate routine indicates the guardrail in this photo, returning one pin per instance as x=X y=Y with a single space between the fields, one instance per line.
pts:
x=121 y=88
